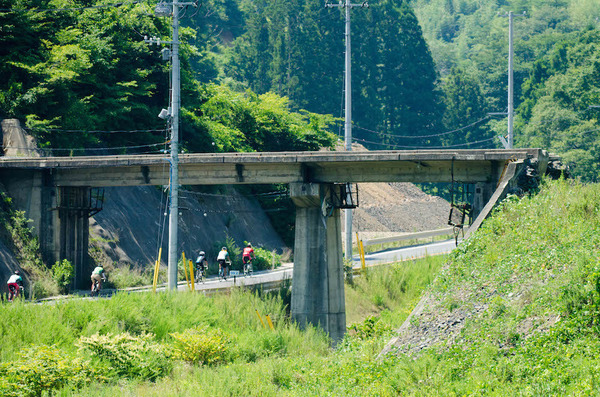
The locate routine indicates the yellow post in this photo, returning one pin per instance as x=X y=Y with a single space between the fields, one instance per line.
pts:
x=156 y=270
x=362 y=256
x=193 y=280
x=185 y=270
x=260 y=318
x=269 y=321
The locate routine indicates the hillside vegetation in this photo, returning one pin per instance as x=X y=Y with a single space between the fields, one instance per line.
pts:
x=526 y=285
x=191 y=344
x=556 y=75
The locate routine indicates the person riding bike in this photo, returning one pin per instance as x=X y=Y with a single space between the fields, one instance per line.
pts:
x=201 y=265
x=98 y=276
x=15 y=284
x=224 y=262
x=247 y=256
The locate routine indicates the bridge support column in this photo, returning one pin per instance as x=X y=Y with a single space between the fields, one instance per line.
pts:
x=318 y=283
x=482 y=194
x=73 y=239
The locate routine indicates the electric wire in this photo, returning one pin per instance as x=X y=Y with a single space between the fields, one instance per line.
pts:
x=51 y=150
x=232 y=197
x=115 y=5
x=162 y=217
x=425 y=136
x=92 y=131
x=422 y=147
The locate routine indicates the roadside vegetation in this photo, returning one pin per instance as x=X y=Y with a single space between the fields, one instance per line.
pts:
x=191 y=344
x=530 y=279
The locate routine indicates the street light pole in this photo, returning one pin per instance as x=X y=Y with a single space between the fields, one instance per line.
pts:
x=348 y=115
x=174 y=185
x=167 y=9
x=510 y=142
x=510 y=80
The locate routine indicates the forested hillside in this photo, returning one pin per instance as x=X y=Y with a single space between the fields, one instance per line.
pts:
x=80 y=74
x=557 y=78
x=261 y=75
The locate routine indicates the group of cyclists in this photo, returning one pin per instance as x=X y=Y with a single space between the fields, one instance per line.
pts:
x=15 y=281
x=224 y=262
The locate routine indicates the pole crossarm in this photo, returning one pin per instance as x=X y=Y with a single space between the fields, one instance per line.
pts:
x=344 y=5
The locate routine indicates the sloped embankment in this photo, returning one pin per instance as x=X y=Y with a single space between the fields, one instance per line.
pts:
x=133 y=223
x=519 y=302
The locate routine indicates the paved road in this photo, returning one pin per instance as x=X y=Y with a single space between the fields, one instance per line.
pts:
x=265 y=277
x=271 y=279
x=405 y=253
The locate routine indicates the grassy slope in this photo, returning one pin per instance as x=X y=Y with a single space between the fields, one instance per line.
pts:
x=259 y=361
x=534 y=268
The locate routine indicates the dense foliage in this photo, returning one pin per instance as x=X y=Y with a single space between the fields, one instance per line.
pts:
x=555 y=52
x=296 y=49
x=71 y=68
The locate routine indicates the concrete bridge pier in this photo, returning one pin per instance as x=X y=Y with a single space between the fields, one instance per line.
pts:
x=318 y=283
x=73 y=241
x=481 y=195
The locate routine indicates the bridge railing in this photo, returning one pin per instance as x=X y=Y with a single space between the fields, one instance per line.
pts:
x=408 y=236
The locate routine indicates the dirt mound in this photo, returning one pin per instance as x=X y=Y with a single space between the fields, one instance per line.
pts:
x=388 y=208
x=392 y=208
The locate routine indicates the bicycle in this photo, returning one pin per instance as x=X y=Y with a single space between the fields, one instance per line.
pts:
x=248 y=270
x=200 y=273
x=14 y=292
x=95 y=288
x=223 y=270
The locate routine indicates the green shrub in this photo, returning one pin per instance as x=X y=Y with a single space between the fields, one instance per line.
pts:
x=371 y=327
x=201 y=345
x=63 y=273
x=44 y=369
x=128 y=355
x=265 y=259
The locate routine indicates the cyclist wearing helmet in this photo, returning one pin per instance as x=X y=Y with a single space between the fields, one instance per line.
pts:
x=98 y=275
x=14 y=283
x=248 y=254
x=224 y=261
x=201 y=263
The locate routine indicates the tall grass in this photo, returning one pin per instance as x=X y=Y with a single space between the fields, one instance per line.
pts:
x=260 y=361
x=394 y=288
x=534 y=267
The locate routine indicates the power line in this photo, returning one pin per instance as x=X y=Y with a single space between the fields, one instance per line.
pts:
x=242 y=198
x=422 y=147
x=115 y=5
x=425 y=136
x=92 y=131
x=49 y=149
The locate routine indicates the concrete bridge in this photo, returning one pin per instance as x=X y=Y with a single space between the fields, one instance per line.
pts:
x=56 y=194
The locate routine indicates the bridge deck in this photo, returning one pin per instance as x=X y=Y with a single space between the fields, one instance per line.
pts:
x=279 y=167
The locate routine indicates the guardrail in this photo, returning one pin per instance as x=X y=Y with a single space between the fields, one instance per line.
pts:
x=409 y=236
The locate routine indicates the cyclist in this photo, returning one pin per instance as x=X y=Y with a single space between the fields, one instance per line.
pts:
x=247 y=256
x=224 y=262
x=98 y=275
x=15 y=283
x=201 y=265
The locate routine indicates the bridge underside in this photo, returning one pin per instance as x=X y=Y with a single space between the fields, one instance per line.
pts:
x=53 y=193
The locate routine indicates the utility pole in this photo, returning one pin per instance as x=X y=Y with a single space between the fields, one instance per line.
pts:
x=510 y=142
x=163 y=9
x=348 y=113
